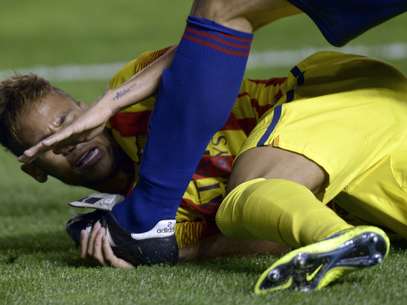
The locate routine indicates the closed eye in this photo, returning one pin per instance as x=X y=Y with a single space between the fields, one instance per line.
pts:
x=59 y=122
x=45 y=136
x=62 y=119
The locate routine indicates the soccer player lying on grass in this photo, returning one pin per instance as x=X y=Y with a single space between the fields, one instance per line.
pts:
x=212 y=53
x=32 y=109
x=333 y=130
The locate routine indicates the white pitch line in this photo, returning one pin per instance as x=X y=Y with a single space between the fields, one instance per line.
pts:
x=262 y=59
x=287 y=58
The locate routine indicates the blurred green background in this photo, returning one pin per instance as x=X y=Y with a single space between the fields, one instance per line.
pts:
x=52 y=33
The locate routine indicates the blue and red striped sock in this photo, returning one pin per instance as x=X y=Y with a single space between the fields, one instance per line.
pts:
x=194 y=100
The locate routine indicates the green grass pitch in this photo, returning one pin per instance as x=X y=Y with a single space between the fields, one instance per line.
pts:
x=38 y=263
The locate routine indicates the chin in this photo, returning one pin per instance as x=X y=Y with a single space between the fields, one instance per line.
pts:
x=100 y=173
x=88 y=177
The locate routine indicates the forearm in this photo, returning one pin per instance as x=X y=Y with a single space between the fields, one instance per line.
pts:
x=141 y=86
x=220 y=246
x=194 y=100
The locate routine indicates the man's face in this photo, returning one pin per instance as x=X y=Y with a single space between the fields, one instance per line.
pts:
x=85 y=164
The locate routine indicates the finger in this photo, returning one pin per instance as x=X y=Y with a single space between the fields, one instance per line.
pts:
x=58 y=137
x=32 y=153
x=111 y=258
x=72 y=140
x=84 y=243
x=98 y=252
x=91 y=242
x=63 y=150
x=93 y=133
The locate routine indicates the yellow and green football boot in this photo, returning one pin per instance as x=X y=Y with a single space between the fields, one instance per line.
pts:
x=315 y=266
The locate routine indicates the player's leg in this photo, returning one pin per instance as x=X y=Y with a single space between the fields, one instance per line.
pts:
x=194 y=100
x=255 y=13
x=314 y=127
x=272 y=197
x=276 y=203
x=288 y=205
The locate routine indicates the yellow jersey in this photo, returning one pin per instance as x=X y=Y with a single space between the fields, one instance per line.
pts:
x=196 y=214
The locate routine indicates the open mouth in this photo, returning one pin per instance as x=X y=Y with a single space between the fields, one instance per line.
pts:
x=89 y=158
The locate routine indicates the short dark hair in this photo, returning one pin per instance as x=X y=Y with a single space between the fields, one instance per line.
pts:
x=16 y=93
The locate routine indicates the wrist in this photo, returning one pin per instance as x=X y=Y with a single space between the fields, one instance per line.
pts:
x=108 y=103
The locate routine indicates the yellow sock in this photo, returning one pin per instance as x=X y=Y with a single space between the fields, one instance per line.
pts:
x=278 y=210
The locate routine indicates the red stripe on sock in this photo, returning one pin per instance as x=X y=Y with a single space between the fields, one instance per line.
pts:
x=237 y=37
x=217 y=38
x=216 y=47
x=130 y=124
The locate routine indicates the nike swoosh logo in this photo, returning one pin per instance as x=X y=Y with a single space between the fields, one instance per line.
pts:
x=311 y=276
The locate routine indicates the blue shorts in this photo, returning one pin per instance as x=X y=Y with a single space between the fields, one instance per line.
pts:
x=343 y=20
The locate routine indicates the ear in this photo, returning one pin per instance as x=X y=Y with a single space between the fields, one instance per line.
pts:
x=35 y=172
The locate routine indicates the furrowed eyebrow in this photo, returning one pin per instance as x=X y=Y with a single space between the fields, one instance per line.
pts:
x=61 y=119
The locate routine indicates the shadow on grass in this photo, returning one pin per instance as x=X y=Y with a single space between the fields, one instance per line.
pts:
x=237 y=264
x=36 y=242
x=51 y=245
x=399 y=245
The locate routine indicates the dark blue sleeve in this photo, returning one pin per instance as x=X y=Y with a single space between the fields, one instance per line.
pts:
x=343 y=20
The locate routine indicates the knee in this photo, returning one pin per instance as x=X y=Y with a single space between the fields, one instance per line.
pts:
x=229 y=212
x=233 y=210
x=222 y=12
x=209 y=9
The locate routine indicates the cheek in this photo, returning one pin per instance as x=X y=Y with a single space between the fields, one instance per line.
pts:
x=107 y=148
x=55 y=165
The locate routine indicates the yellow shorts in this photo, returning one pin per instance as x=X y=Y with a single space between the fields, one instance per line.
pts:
x=379 y=197
x=349 y=130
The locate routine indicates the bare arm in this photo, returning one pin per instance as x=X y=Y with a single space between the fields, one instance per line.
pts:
x=220 y=246
x=140 y=86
